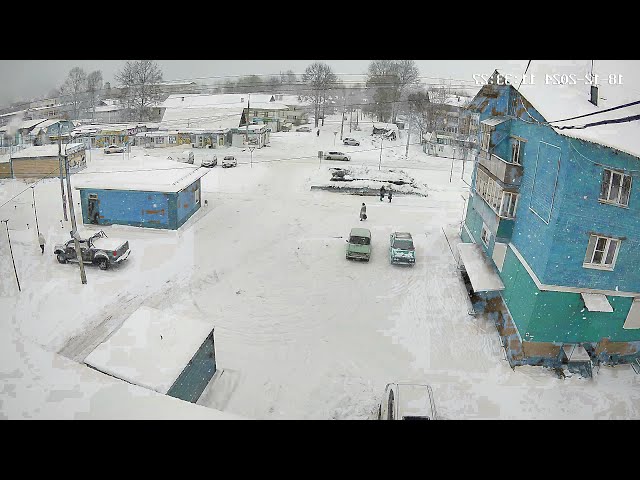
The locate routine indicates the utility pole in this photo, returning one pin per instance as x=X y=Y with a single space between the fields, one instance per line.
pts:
x=64 y=200
x=408 y=131
x=335 y=134
x=74 y=231
x=246 y=135
x=380 y=164
x=6 y=223
x=350 y=119
x=33 y=191
x=344 y=110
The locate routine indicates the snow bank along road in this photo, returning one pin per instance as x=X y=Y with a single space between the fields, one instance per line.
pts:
x=300 y=331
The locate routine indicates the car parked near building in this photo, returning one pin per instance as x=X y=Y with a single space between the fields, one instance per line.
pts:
x=209 y=163
x=113 y=148
x=351 y=141
x=407 y=401
x=337 y=156
x=229 y=161
x=359 y=244
x=97 y=249
x=401 y=248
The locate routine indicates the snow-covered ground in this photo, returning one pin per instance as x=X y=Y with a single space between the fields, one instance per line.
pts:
x=300 y=332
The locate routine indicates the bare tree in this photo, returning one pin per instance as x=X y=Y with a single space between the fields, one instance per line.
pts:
x=94 y=85
x=407 y=74
x=319 y=77
x=139 y=81
x=390 y=79
x=74 y=88
x=420 y=107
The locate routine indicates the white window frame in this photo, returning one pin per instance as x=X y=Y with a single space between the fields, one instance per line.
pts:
x=485 y=233
x=486 y=137
x=173 y=139
x=589 y=263
x=196 y=194
x=516 y=150
x=618 y=201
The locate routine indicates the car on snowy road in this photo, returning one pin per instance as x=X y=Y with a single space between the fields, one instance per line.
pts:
x=401 y=248
x=359 y=244
x=303 y=129
x=114 y=149
x=210 y=163
x=229 y=161
x=407 y=401
x=351 y=141
x=337 y=156
x=97 y=249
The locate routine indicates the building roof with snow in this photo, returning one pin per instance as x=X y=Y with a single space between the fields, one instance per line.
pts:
x=161 y=175
x=560 y=89
x=38 y=384
x=151 y=348
x=50 y=150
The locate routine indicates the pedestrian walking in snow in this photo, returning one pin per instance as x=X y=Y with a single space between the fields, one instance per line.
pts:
x=381 y=192
x=318 y=133
x=363 y=212
x=41 y=241
x=389 y=196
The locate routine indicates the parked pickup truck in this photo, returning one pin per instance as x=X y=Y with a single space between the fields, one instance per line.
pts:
x=97 y=249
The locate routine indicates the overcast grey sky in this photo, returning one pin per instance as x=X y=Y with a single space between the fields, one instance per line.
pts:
x=25 y=79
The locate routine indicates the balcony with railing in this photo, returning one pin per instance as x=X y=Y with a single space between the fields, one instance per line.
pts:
x=507 y=172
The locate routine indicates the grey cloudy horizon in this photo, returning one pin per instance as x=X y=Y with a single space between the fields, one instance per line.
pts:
x=22 y=80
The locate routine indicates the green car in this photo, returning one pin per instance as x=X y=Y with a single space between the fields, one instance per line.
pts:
x=359 y=244
x=401 y=249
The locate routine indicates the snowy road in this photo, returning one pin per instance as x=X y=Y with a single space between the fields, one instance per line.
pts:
x=301 y=332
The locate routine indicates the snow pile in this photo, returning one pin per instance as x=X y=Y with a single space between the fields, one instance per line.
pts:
x=365 y=180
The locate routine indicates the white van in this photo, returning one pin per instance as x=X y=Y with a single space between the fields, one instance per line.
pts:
x=186 y=157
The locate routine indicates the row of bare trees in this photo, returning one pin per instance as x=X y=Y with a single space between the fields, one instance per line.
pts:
x=81 y=90
x=138 y=89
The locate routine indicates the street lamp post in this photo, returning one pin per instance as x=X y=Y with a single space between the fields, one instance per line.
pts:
x=380 y=163
x=251 y=149
x=335 y=134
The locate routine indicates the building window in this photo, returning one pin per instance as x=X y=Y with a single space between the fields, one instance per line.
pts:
x=602 y=252
x=516 y=150
x=615 y=188
x=159 y=139
x=486 y=137
x=508 y=205
x=172 y=139
x=485 y=235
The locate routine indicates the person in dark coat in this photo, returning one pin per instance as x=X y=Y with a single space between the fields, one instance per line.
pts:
x=389 y=195
x=363 y=212
x=318 y=133
x=41 y=241
x=381 y=192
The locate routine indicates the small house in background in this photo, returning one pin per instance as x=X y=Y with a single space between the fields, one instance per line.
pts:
x=388 y=131
x=256 y=135
x=42 y=161
x=157 y=139
x=172 y=355
x=164 y=199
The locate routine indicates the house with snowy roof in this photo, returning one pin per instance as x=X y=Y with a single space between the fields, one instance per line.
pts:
x=131 y=196
x=551 y=233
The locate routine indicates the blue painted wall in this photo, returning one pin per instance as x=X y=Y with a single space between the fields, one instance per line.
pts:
x=124 y=207
x=186 y=202
x=566 y=196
